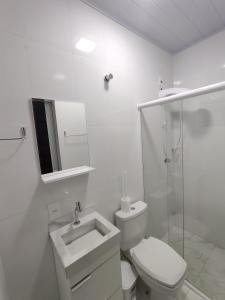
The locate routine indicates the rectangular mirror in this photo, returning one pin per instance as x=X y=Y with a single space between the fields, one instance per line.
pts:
x=61 y=133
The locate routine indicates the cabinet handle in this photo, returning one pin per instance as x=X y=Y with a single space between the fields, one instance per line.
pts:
x=80 y=283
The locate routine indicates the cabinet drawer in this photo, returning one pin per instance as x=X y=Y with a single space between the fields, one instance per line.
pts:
x=100 y=284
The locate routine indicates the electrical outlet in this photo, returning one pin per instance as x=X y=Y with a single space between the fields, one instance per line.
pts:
x=54 y=211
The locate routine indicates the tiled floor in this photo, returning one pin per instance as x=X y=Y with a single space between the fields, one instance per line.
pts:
x=185 y=294
x=206 y=262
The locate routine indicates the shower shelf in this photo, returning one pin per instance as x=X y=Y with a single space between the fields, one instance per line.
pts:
x=66 y=174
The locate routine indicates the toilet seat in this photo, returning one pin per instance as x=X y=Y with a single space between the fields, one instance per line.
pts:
x=159 y=262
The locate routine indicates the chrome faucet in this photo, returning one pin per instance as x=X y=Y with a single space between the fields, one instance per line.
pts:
x=77 y=210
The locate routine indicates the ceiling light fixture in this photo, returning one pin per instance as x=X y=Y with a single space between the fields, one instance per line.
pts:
x=85 y=45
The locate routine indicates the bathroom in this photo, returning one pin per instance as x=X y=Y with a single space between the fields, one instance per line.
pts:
x=168 y=155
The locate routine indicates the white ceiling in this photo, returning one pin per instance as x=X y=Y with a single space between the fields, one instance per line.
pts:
x=172 y=24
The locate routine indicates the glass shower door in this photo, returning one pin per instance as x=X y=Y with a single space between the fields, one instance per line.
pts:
x=172 y=129
x=204 y=186
x=183 y=147
x=163 y=178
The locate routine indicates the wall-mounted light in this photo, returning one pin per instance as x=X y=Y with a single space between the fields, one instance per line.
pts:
x=85 y=45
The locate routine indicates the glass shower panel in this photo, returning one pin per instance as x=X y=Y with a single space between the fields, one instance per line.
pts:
x=173 y=153
x=162 y=156
x=204 y=190
x=183 y=147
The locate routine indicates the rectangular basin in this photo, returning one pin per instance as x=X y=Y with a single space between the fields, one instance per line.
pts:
x=79 y=239
x=83 y=244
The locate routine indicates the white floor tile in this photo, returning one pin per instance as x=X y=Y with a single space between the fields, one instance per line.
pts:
x=206 y=264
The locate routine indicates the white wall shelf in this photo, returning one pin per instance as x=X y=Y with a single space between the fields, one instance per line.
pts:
x=65 y=174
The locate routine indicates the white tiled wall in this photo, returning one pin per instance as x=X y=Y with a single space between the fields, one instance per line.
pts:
x=202 y=64
x=37 y=44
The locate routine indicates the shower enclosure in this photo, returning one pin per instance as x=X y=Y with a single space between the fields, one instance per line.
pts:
x=183 y=143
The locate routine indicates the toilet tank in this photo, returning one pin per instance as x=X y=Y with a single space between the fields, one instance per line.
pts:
x=132 y=224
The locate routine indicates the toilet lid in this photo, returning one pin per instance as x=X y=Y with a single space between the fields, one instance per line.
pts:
x=159 y=261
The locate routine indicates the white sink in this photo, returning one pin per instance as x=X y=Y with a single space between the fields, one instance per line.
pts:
x=79 y=239
x=77 y=244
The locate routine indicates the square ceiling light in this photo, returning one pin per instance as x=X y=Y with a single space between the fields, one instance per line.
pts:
x=85 y=45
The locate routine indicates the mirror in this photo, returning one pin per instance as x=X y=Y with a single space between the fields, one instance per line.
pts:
x=61 y=133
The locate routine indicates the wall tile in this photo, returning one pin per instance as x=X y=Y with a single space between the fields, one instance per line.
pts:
x=38 y=59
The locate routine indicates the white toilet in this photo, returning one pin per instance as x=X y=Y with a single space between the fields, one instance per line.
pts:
x=159 y=266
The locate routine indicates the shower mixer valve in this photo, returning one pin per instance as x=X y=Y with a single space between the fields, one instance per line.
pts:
x=167 y=160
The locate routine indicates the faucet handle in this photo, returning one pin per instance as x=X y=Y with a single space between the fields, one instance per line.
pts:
x=78 y=206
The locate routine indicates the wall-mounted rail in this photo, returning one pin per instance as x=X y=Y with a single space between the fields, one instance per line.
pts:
x=21 y=137
x=189 y=94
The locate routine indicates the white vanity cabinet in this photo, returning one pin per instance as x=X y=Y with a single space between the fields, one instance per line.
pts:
x=104 y=283
x=87 y=259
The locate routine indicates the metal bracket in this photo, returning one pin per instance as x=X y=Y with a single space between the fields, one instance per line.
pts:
x=22 y=136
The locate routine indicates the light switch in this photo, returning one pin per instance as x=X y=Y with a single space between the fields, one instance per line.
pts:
x=54 y=211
